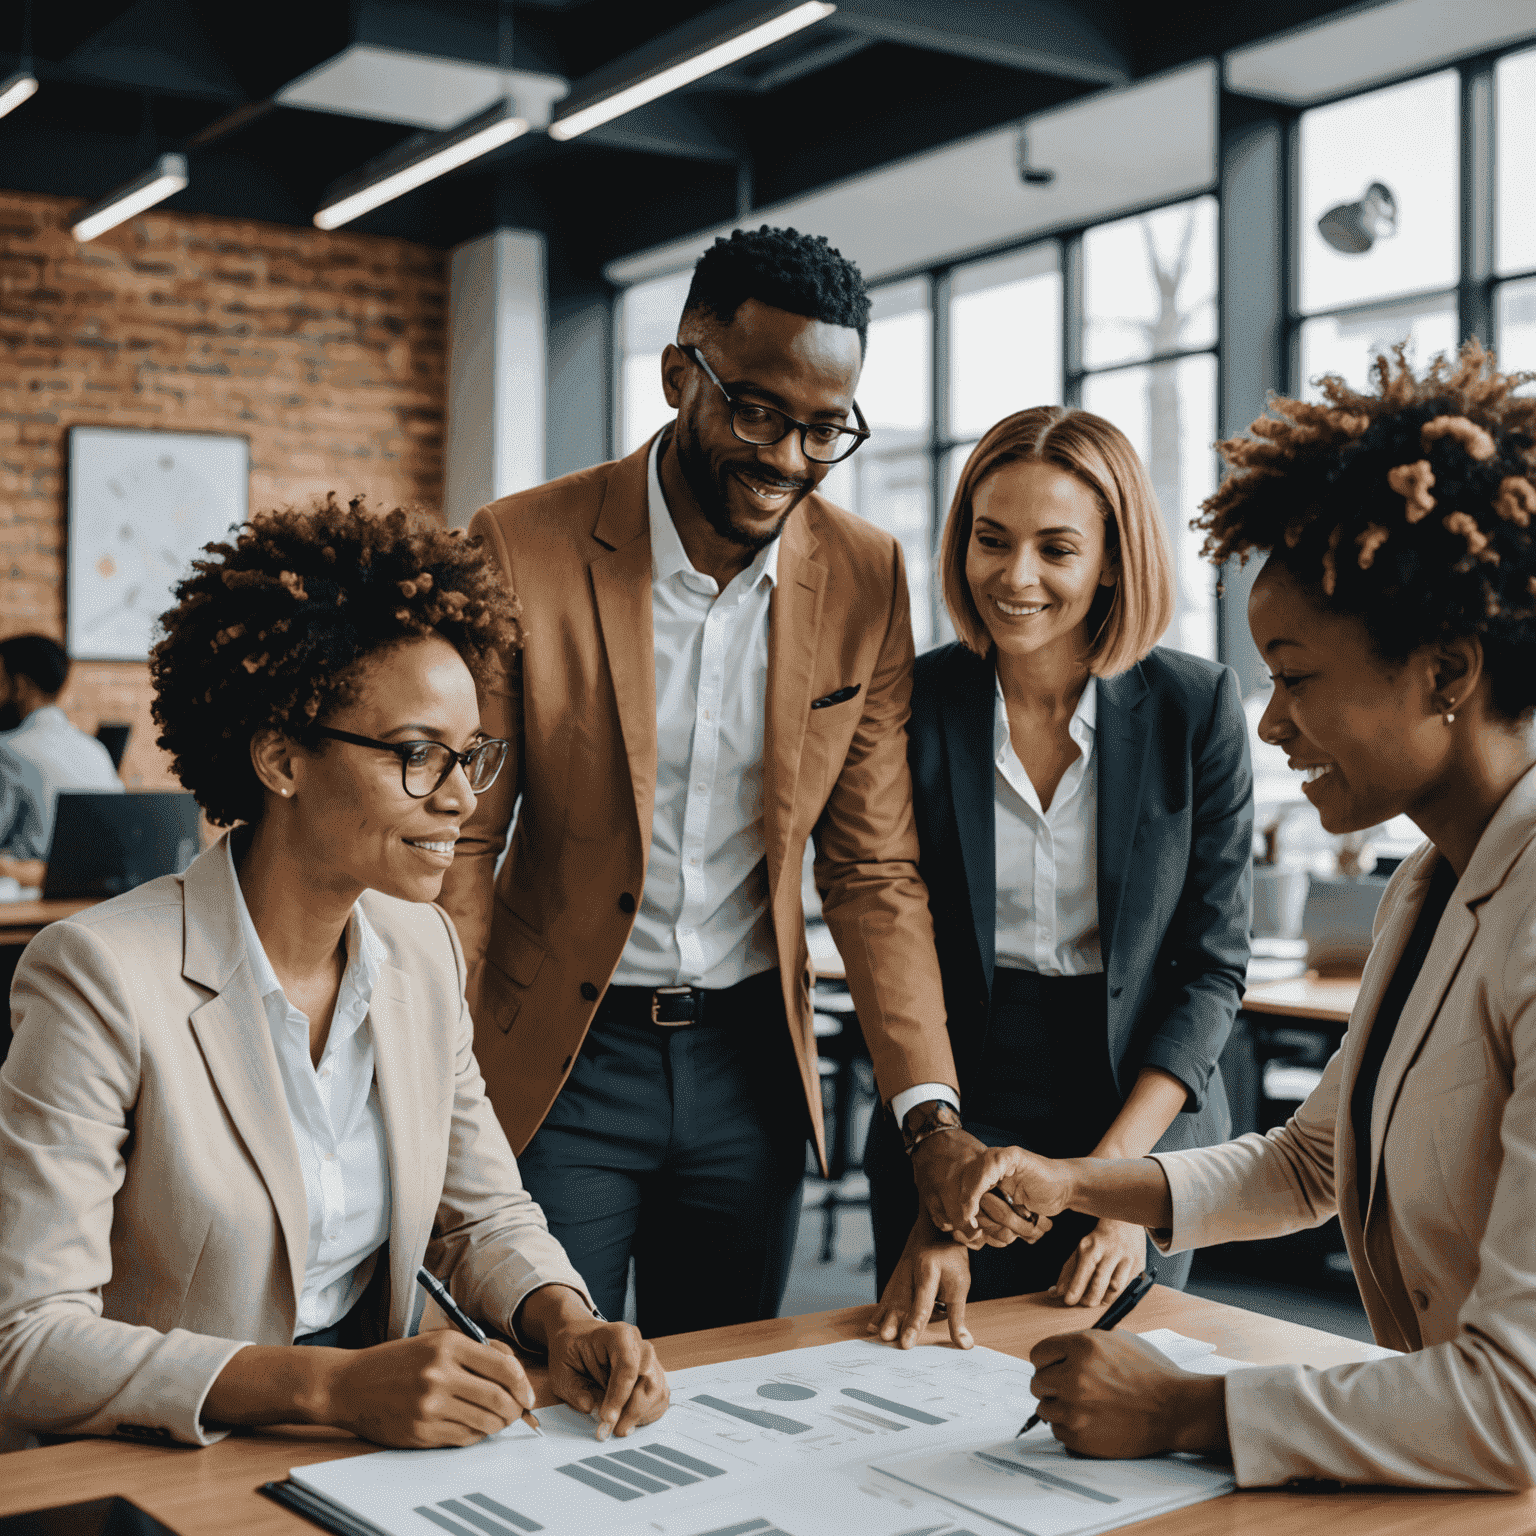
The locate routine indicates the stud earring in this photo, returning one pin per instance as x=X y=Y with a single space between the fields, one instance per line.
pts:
x=1450 y=716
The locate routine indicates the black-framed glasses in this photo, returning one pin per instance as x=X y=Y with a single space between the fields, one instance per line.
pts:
x=822 y=442
x=425 y=765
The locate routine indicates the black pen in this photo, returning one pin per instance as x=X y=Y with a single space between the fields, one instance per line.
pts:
x=464 y=1323
x=1116 y=1312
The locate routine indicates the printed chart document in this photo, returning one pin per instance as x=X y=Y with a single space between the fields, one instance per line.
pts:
x=856 y=1439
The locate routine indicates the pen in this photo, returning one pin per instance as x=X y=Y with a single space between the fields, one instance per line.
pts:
x=464 y=1323
x=1117 y=1311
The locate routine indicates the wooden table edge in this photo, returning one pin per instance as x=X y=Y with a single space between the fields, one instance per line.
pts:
x=202 y=1499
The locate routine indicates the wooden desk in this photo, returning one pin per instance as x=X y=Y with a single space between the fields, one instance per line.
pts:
x=213 y=1491
x=1329 y=999
x=21 y=921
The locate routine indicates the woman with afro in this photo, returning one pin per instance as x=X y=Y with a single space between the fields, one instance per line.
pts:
x=241 y=1106
x=1397 y=613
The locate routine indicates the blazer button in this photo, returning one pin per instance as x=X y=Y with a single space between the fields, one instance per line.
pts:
x=589 y=992
x=626 y=902
x=1421 y=1301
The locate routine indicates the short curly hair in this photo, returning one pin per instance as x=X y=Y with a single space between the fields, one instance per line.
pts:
x=784 y=269
x=268 y=632
x=1409 y=507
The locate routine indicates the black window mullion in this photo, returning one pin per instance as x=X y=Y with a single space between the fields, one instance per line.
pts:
x=1475 y=290
x=939 y=290
x=1073 y=319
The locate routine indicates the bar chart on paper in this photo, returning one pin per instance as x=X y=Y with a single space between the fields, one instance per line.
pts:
x=853 y=1438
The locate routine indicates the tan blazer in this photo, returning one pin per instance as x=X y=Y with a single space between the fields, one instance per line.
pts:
x=152 y=1208
x=579 y=706
x=1446 y=1262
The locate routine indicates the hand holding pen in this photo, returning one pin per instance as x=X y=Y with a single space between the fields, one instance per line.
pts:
x=1115 y=1313
x=465 y=1324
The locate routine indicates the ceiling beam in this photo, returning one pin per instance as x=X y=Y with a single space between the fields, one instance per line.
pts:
x=1048 y=37
x=821 y=55
x=675 y=126
x=687 y=41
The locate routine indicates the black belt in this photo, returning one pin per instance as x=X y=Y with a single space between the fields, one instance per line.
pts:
x=681 y=1007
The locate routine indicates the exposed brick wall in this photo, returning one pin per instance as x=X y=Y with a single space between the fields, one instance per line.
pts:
x=327 y=351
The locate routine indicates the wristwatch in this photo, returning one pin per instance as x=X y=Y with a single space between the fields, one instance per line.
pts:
x=929 y=1119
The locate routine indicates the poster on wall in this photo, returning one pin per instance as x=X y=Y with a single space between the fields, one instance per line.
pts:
x=141 y=507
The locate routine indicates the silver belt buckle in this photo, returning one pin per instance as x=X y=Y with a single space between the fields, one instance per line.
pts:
x=658 y=993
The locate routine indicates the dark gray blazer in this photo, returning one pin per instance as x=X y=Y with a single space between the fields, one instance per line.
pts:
x=1175 y=833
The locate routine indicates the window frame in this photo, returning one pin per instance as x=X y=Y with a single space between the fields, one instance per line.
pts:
x=1478 y=282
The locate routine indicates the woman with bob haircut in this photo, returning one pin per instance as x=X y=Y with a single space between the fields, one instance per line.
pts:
x=241 y=1105
x=1397 y=610
x=1084 y=810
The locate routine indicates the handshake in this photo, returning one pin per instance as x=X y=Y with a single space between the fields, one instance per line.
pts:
x=992 y=1196
x=972 y=1196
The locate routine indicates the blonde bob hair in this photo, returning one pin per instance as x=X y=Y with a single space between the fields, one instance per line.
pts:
x=1125 y=620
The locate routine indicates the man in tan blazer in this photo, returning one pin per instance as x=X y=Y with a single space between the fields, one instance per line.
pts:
x=715 y=668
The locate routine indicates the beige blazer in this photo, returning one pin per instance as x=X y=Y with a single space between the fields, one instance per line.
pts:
x=544 y=935
x=1446 y=1260
x=152 y=1207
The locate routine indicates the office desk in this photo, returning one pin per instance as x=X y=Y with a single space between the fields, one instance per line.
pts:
x=1325 y=999
x=213 y=1491
x=21 y=921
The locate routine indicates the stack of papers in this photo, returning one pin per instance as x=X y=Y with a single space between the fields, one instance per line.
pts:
x=856 y=1439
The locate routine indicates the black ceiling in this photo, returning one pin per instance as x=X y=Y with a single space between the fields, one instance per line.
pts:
x=875 y=81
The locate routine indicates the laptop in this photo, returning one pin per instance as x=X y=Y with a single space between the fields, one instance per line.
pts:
x=1336 y=923
x=104 y=845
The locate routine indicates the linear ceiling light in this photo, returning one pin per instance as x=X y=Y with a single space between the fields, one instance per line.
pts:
x=165 y=177
x=443 y=152
x=18 y=88
x=685 y=72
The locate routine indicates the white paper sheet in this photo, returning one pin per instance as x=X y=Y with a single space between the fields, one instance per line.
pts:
x=856 y=1439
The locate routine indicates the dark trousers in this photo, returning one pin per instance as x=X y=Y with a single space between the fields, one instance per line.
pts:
x=683 y=1149
x=1045 y=1083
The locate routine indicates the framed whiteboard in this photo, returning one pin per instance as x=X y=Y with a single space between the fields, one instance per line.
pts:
x=141 y=507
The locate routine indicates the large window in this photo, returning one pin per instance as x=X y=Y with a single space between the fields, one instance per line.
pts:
x=1392 y=246
x=647 y=321
x=1378 y=204
x=1514 y=137
x=1149 y=366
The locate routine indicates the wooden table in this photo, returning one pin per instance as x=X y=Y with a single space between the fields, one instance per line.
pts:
x=1329 y=999
x=213 y=1491
x=21 y=921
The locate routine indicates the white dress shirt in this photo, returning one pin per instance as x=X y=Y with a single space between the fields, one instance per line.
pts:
x=1047 y=860
x=704 y=918
x=338 y=1126
x=48 y=754
x=1047 y=916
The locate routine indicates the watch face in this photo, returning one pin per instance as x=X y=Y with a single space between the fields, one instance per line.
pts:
x=141 y=507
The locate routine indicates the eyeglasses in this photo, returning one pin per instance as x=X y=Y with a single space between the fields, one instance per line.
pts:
x=425 y=765
x=822 y=442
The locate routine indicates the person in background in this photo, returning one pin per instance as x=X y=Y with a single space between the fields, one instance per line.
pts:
x=1084 y=809
x=242 y=1106
x=1397 y=612
x=716 y=668
x=44 y=753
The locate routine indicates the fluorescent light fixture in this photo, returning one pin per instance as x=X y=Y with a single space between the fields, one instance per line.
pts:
x=675 y=76
x=396 y=175
x=20 y=87
x=166 y=176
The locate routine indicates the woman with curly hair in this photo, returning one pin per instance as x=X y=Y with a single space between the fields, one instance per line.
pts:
x=1397 y=610
x=241 y=1106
